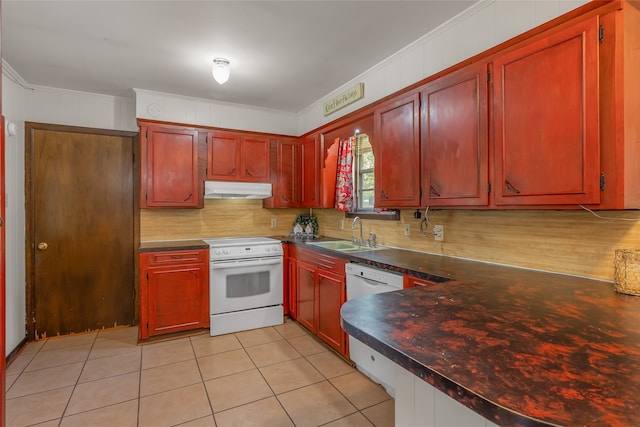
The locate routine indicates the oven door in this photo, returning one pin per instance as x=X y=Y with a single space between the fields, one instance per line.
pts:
x=244 y=284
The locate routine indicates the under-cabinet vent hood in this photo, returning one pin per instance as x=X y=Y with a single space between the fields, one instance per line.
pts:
x=236 y=190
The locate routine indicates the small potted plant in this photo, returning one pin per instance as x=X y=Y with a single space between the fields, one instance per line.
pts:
x=304 y=221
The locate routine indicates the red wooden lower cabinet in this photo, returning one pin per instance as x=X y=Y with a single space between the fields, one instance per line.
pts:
x=292 y=287
x=174 y=291
x=306 y=295
x=331 y=294
x=317 y=284
x=412 y=282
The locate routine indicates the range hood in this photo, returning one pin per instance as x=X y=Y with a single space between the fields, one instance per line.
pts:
x=236 y=190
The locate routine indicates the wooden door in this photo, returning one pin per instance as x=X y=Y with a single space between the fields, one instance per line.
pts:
x=331 y=294
x=80 y=232
x=396 y=146
x=223 y=152
x=254 y=159
x=455 y=139
x=547 y=147
x=306 y=291
x=170 y=171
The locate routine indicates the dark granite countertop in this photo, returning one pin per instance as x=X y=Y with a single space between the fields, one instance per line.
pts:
x=172 y=245
x=520 y=347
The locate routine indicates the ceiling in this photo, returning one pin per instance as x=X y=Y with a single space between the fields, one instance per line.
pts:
x=284 y=55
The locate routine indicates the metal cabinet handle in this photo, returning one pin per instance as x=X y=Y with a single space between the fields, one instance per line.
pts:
x=434 y=191
x=384 y=195
x=510 y=187
x=187 y=199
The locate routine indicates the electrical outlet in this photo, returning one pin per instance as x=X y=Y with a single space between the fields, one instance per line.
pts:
x=407 y=229
x=342 y=224
x=274 y=222
x=438 y=233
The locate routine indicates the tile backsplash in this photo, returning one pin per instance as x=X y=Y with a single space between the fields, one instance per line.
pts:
x=570 y=242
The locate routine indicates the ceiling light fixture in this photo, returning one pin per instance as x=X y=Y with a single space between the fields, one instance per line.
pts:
x=221 y=70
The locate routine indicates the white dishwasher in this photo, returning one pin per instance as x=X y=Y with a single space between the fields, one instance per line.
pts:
x=364 y=280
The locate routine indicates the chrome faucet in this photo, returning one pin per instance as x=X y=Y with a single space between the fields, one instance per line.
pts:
x=353 y=227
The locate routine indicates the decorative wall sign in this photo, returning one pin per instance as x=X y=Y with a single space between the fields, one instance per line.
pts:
x=347 y=97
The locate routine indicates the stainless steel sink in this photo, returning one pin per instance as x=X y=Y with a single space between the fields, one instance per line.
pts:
x=344 y=246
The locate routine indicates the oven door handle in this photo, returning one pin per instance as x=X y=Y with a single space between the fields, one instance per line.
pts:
x=238 y=263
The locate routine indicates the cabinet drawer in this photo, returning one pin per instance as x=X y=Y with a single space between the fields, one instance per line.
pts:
x=177 y=257
x=319 y=260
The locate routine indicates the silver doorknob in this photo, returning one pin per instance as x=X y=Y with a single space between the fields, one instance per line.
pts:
x=42 y=246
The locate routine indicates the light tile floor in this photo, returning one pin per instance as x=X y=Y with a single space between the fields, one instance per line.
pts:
x=276 y=376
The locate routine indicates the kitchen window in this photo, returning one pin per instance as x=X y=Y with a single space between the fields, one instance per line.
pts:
x=364 y=182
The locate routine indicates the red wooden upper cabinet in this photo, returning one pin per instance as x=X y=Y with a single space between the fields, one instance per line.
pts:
x=171 y=167
x=285 y=166
x=396 y=147
x=310 y=172
x=545 y=98
x=455 y=139
x=237 y=156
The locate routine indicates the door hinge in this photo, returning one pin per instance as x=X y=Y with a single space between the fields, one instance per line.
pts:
x=488 y=76
x=147 y=325
x=489 y=188
x=147 y=276
x=601 y=33
x=602 y=182
x=146 y=133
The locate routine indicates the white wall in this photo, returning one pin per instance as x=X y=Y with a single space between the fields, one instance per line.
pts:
x=482 y=26
x=44 y=105
x=205 y=112
x=13 y=106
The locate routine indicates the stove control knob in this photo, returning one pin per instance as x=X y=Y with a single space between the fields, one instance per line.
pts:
x=267 y=248
x=274 y=249
x=217 y=252
x=225 y=251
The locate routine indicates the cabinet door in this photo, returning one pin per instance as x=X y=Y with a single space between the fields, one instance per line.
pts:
x=455 y=140
x=223 y=156
x=309 y=171
x=396 y=146
x=293 y=288
x=254 y=158
x=173 y=296
x=546 y=118
x=170 y=173
x=331 y=294
x=305 y=295
x=286 y=173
